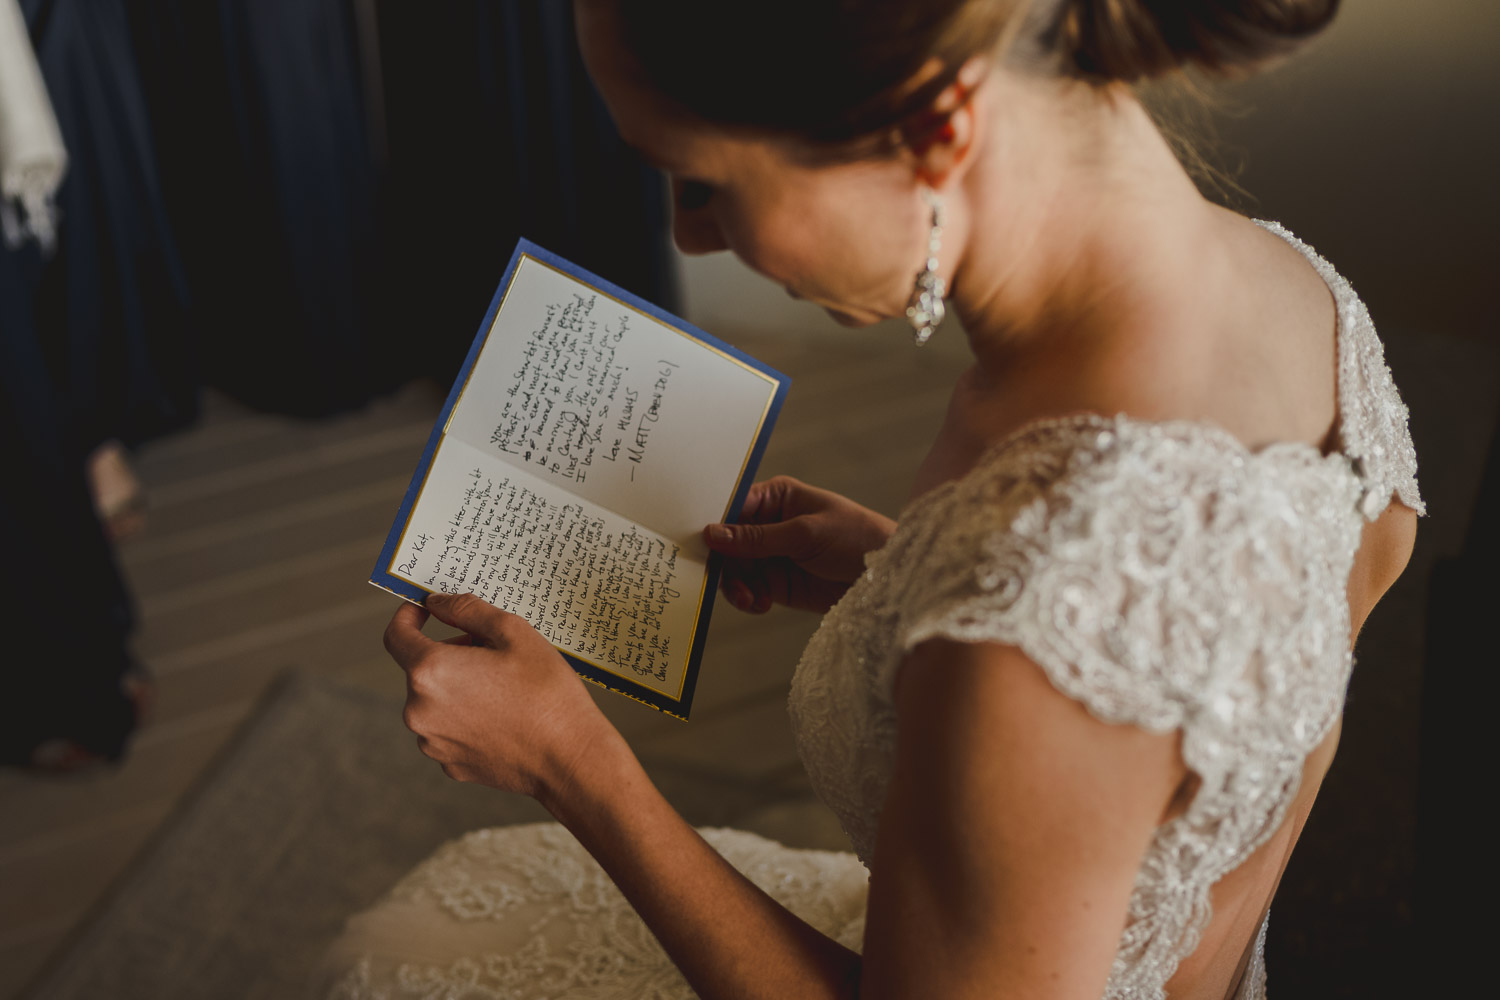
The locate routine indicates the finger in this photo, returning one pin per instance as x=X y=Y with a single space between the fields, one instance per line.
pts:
x=769 y=500
x=744 y=596
x=761 y=603
x=465 y=639
x=794 y=539
x=755 y=501
x=743 y=581
x=469 y=612
x=759 y=597
x=732 y=584
x=769 y=585
x=403 y=636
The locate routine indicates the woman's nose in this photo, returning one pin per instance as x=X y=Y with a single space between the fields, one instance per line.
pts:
x=695 y=228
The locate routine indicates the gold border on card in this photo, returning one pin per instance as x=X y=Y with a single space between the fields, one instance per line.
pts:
x=412 y=512
x=463 y=390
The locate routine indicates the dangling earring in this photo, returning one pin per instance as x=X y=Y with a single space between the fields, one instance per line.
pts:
x=927 y=307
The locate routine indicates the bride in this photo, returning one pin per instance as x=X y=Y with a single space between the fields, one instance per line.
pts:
x=1073 y=707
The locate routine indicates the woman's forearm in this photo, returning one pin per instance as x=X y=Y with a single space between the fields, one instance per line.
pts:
x=727 y=936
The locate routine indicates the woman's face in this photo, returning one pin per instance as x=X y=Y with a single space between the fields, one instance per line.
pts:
x=848 y=237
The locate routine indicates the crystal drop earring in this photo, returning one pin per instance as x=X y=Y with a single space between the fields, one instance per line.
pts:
x=927 y=307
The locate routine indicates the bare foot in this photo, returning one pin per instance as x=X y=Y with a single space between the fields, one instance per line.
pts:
x=119 y=498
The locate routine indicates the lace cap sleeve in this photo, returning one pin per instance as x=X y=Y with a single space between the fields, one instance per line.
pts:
x=1149 y=569
x=1374 y=420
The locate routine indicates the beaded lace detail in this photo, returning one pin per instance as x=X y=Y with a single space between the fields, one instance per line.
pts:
x=1373 y=431
x=523 y=913
x=1161 y=574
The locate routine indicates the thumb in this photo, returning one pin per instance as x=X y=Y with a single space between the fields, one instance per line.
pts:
x=792 y=539
x=469 y=612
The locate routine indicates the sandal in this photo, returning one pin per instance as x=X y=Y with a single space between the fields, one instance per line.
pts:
x=66 y=755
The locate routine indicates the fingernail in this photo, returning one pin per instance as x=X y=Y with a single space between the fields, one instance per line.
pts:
x=718 y=533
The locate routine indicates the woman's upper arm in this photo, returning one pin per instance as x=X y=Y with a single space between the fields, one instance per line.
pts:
x=1012 y=831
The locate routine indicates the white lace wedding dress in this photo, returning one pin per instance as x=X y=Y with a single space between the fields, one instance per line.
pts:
x=1158 y=572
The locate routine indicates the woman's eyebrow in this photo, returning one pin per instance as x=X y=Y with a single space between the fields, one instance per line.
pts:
x=644 y=153
x=650 y=158
x=666 y=164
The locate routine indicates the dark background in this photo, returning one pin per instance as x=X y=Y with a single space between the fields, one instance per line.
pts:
x=1380 y=147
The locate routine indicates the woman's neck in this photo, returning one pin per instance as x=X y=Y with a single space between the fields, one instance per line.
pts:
x=1111 y=236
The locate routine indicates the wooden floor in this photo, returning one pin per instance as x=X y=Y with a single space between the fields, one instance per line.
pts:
x=262 y=531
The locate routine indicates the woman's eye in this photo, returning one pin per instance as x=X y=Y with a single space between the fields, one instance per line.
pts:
x=693 y=194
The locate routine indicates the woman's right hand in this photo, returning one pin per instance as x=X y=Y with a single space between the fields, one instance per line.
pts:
x=795 y=545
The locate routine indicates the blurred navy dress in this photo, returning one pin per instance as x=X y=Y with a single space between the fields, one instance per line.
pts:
x=301 y=202
x=93 y=345
x=347 y=179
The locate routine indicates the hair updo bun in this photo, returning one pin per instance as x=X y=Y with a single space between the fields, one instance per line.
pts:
x=1138 y=39
x=829 y=71
x=842 y=74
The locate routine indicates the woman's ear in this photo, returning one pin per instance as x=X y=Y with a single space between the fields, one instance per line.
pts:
x=941 y=137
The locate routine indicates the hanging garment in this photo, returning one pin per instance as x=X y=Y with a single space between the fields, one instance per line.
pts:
x=348 y=179
x=495 y=131
x=271 y=192
x=93 y=346
x=32 y=157
x=110 y=308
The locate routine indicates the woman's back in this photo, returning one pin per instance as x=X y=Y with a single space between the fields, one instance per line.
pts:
x=1242 y=896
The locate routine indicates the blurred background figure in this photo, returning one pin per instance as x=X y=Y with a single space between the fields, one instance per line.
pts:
x=94 y=350
x=276 y=199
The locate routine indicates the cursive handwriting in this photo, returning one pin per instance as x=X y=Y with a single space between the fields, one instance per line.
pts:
x=418 y=546
x=573 y=402
x=600 y=591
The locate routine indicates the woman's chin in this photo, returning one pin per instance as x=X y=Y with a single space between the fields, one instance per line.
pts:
x=849 y=319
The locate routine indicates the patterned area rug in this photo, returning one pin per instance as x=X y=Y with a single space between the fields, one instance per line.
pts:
x=315 y=810
x=319 y=805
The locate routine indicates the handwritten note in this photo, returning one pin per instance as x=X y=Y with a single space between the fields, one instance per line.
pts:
x=572 y=402
x=585 y=445
x=610 y=404
x=593 y=583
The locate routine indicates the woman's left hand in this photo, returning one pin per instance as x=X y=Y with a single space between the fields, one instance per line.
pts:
x=497 y=705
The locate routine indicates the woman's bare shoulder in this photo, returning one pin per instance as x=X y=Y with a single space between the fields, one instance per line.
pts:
x=1252 y=351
